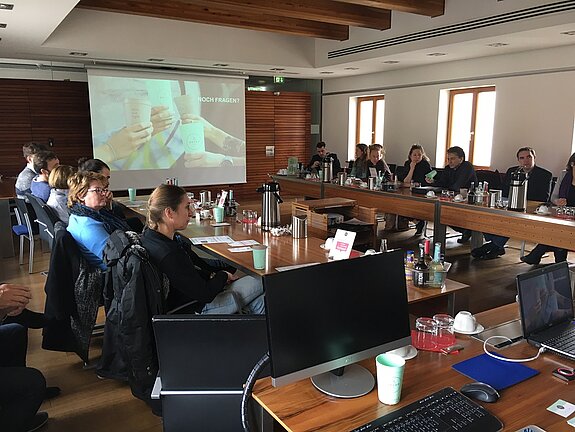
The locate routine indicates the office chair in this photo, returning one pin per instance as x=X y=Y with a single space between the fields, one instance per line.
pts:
x=24 y=230
x=45 y=218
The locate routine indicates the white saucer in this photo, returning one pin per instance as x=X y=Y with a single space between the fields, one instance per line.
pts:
x=431 y=197
x=478 y=329
x=458 y=201
x=322 y=245
x=407 y=356
x=542 y=213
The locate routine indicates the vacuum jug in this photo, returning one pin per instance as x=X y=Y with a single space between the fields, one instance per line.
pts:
x=327 y=167
x=518 y=191
x=270 y=205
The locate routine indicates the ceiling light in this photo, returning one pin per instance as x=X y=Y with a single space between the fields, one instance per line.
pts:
x=220 y=64
x=78 y=54
x=569 y=33
x=436 y=54
x=391 y=62
x=351 y=68
x=277 y=69
x=326 y=73
x=2 y=25
x=156 y=59
x=497 y=44
x=6 y=6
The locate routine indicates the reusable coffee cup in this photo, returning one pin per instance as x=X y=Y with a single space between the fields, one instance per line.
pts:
x=464 y=321
x=218 y=214
x=132 y=194
x=192 y=135
x=259 y=254
x=390 y=369
x=137 y=111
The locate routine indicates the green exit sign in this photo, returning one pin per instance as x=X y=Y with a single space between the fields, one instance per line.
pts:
x=278 y=79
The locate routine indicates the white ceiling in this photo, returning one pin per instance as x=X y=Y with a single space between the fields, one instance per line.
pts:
x=48 y=31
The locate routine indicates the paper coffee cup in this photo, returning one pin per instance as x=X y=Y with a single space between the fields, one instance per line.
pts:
x=192 y=135
x=137 y=111
x=218 y=214
x=259 y=255
x=390 y=369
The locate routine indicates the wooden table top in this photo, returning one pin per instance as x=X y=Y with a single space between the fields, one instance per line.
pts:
x=301 y=407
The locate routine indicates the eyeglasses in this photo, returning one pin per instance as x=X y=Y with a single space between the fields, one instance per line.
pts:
x=98 y=190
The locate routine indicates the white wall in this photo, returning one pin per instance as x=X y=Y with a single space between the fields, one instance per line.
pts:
x=535 y=104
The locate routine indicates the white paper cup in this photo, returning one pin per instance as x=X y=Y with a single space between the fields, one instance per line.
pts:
x=137 y=111
x=464 y=321
x=389 y=377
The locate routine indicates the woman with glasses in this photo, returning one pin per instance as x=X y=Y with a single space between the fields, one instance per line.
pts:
x=89 y=226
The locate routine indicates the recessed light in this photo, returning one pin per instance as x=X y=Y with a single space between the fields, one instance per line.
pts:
x=326 y=73
x=6 y=6
x=391 y=62
x=277 y=69
x=351 y=68
x=436 y=54
x=2 y=25
x=220 y=64
x=497 y=44
x=78 y=54
x=156 y=59
x=569 y=33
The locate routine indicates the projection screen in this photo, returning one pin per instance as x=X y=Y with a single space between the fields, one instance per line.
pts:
x=149 y=126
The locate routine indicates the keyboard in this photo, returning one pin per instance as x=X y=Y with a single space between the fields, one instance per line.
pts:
x=443 y=411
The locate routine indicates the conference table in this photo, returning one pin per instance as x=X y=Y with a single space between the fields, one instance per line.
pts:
x=300 y=407
x=285 y=251
x=546 y=229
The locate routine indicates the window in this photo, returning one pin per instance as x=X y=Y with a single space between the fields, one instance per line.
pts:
x=470 y=123
x=369 y=126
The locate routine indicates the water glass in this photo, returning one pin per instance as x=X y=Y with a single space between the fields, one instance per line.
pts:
x=426 y=333
x=444 y=330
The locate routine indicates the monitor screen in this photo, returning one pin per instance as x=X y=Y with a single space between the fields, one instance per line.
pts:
x=331 y=315
x=545 y=298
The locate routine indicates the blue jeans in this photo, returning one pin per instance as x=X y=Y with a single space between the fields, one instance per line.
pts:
x=495 y=239
x=243 y=295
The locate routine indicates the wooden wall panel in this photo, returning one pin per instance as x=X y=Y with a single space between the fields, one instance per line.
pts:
x=40 y=110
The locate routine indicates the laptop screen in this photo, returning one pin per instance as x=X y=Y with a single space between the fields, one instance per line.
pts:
x=545 y=298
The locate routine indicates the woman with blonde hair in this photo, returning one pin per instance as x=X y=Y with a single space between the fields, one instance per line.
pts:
x=192 y=278
x=88 y=225
x=58 y=199
x=377 y=161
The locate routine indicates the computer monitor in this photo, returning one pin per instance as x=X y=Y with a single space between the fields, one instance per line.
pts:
x=324 y=317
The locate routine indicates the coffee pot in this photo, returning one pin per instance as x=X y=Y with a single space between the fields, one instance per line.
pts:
x=327 y=167
x=518 y=191
x=271 y=201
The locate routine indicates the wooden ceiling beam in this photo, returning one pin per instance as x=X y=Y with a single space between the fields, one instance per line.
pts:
x=429 y=8
x=314 y=10
x=220 y=15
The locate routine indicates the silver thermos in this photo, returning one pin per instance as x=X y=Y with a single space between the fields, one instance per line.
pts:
x=518 y=191
x=270 y=205
x=327 y=167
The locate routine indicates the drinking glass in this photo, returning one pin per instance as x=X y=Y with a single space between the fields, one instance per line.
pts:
x=444 y=330
x=426 y=333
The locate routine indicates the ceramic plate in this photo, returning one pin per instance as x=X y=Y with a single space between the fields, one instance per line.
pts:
x=542 y=213
x=458 y=201
x=322 y=245
x=478 y=329
x=411 y=353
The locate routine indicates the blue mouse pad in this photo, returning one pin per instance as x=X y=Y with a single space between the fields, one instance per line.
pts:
x=499 y=374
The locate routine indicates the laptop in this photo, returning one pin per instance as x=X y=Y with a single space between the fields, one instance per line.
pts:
x=546 y=304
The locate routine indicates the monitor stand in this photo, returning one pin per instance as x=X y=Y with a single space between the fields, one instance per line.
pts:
x=354 y=382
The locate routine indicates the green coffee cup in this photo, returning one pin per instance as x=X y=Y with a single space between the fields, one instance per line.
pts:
x=259 y=254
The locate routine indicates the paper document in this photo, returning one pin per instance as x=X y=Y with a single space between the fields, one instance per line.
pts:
x=243 y=243
x=212 y=239
x=296 y=266
x=241 y=249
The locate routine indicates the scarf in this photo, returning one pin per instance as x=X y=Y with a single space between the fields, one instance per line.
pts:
x=566 y=184
x=111 y=222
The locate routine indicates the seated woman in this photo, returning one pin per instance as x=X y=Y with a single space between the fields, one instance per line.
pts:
x=118 y=209
x=563 y=194
x=359 y=168
x=192 y=278
x=58 y=199
x=376 y=161
x=416 y=166
x=90 y=226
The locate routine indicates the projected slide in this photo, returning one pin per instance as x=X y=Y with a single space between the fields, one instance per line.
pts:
x=148 y=127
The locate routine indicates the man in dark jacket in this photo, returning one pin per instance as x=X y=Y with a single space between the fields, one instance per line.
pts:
x=323 y=154
x=538 y=189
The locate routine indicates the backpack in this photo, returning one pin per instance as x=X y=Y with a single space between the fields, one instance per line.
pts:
x=136 y=291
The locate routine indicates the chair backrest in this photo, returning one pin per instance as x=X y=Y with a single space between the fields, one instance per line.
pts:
x=22 y=214
x=43 y=219
x=493 y=177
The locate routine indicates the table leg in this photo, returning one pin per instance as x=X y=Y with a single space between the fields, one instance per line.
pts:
x=439 y=230
x=457 y=301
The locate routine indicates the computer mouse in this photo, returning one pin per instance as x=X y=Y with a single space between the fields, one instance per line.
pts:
x=480 y=391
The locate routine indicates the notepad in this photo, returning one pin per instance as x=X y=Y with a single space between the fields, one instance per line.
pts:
x=499 y=374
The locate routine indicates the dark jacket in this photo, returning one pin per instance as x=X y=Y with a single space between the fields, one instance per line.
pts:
x=380 y=166
x=460 y=177
x=421 y=169
x=73 y=292
x=538 y=184
x=336 y=166
x=190 y=276
x=129 y=349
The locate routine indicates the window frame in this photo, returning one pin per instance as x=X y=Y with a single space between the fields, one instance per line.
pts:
x=475 y=91
x=374 y=100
